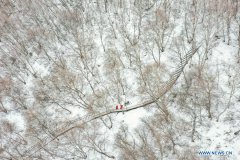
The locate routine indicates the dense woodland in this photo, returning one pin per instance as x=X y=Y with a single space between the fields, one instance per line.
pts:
x=65 y=64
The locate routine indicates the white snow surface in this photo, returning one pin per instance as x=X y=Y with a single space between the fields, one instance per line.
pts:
x=215 y=134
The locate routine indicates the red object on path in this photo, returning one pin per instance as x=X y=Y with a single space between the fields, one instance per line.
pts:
x=121 y=106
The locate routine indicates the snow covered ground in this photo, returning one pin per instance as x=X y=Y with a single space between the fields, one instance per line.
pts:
x=64 y=64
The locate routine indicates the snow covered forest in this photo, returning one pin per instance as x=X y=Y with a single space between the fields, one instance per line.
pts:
x=173 y=65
